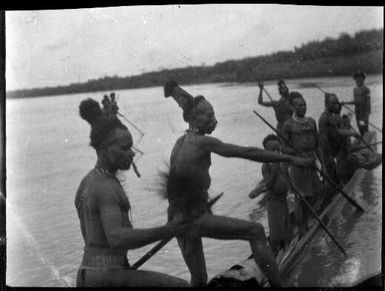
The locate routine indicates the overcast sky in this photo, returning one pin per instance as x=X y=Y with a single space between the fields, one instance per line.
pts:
x=58 y=47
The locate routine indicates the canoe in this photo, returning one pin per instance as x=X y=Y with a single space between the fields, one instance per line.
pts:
x=247 y=274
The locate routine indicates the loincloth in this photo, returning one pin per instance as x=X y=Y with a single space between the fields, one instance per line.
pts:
x=104 y=262
x=188 y=209
x=306 y=180
x=186 y=197
x=100 y=263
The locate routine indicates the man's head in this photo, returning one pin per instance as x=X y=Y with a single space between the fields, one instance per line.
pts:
x=202 y=116
x=109 y=136
x=282 y=88
x=359 y=77
x=272 y=143
x=298 y=103
x=331 y=103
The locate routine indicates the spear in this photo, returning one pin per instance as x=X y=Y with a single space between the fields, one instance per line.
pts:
x=257 y=80
x=347 y=108
x=162 y=243
x=312 y=211
x=351 y=200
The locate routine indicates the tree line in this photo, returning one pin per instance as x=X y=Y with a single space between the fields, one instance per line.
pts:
x=329 y=57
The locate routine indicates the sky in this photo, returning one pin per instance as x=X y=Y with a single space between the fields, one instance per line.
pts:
x=58 y=47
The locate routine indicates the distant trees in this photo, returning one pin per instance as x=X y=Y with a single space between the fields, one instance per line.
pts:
x=328 y=57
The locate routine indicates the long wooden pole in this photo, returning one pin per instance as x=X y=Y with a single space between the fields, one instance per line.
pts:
x=312 y=211
x=347 y=108
x=162 y=243
x=257 y=80
x=351 y=200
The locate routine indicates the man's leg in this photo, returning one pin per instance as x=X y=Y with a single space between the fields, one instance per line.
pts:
x=221 y=227
x=193 y=255
x=131 y=278
x=362 y=125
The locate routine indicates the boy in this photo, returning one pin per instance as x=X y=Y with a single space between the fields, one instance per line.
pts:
x=277 y=209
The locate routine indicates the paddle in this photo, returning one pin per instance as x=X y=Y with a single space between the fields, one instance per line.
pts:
x=312 y=211
x=162 y=243
x=257 y=80
x=347 y=108
x=318 y=170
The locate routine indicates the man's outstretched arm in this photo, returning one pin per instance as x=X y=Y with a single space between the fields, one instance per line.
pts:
x=214 y=145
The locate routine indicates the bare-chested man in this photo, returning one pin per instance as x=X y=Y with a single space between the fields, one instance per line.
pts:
x=102 y=207
x=282 y=107
x=361 y=95
x=301 y=132
x=189 y=181
x=277 y=209
x=330 y=133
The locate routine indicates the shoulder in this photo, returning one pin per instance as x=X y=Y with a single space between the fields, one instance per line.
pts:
x=102 y=188
x=207 y=140
x=311 y=119
x=288 y=123
x=275 y=103
x=180 y=139
x=266 y=166
x=324 y=117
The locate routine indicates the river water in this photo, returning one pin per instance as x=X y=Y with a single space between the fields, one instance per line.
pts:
x=48 y=154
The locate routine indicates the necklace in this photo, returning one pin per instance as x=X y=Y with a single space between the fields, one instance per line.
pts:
x=193 y=130
x=299 y=119
x=107 y=173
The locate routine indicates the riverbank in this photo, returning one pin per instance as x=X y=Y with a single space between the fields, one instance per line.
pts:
x=234 y=71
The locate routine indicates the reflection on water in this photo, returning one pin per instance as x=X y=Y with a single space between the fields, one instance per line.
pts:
x=48 y=153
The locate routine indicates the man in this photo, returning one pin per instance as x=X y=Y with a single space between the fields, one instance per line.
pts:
x=282 y=107
x=277 y=209
x=334 y=135
x=189 y=180
x=330 y=134
x=361 y=95
x=103 y=207
x=301 y=132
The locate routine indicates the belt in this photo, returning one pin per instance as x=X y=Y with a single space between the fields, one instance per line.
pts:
x=104 y=262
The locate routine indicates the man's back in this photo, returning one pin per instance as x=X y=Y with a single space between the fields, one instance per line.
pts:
x=361 y=100
x=94 y=190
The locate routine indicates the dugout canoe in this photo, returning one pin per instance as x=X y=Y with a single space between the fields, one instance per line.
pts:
x=247 y=274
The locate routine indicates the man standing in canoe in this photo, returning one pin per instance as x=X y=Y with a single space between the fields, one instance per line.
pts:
x=333 y=138
x=282 y=107
x=330 y=135
x=277 y=209
x=189 y=180
x=301 y=132
x=361 y=95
